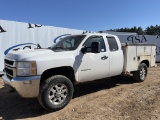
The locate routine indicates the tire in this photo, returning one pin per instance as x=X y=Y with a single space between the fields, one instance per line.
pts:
x=55 y=93
x=141 y=74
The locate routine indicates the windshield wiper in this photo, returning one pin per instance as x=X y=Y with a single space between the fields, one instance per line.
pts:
x=64 y=49
x=58 y=48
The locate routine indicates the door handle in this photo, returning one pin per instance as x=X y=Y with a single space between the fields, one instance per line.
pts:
x=104 y=57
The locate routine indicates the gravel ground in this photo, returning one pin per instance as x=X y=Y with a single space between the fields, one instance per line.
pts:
x=117 y=98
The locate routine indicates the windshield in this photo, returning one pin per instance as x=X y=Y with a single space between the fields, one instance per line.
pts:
x=68 y=43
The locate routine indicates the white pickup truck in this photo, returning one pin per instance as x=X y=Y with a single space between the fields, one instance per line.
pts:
x=49 y=74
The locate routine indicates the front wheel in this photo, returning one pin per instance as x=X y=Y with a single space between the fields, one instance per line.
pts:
x=55 y=92
x=141 y=74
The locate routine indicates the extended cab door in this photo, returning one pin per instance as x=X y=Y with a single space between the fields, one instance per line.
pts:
x=93 y=66
x=116 y=55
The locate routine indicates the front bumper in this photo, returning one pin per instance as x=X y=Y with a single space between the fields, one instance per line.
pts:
x=27 y=87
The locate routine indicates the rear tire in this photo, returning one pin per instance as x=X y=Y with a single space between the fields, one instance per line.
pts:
x=55 y=93
x=141 y=74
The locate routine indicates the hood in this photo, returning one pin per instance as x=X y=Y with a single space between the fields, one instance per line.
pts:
x=22 y=54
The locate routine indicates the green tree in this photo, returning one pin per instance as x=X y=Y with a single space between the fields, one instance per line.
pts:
x=134 y=29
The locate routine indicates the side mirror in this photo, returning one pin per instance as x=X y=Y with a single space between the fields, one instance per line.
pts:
x=84 y=49
x=95 y=47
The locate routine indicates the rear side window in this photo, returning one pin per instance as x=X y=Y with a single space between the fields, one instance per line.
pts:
x=112 y=44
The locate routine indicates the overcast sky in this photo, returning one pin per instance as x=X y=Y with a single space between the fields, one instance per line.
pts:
x=93 y=15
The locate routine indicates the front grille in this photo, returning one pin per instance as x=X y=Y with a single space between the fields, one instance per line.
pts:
x=10 y=68
x=9 y=62
x=8 y=71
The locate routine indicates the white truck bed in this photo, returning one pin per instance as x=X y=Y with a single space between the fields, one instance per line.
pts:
x=134 y=53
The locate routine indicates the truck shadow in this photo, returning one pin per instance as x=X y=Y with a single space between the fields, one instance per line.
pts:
x=14 y=107
x=107 y=83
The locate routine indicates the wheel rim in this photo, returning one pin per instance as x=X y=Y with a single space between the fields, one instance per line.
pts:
x=58 y=93
x=142 y=73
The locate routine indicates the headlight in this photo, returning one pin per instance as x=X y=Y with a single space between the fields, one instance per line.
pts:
x=26 y=68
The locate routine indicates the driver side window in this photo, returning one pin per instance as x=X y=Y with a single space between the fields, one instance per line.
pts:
x=95 y=39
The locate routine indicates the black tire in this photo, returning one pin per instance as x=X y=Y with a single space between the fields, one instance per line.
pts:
x=55 y=93
x=141 y=74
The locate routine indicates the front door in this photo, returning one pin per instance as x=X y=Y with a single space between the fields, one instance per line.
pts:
x=93 y=65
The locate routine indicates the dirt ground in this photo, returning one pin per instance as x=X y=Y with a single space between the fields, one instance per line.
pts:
x=117 y=98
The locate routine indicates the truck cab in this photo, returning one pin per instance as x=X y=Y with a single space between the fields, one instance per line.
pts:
x=105 y=62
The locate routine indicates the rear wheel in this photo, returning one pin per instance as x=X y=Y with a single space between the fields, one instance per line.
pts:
x=141 y=74
x=55 y=92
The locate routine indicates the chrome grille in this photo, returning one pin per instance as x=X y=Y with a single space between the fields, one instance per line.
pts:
x=9 y=71
x=9 y=62
x=10 y=68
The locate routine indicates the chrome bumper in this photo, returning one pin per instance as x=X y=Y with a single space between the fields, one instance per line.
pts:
x=27 y=87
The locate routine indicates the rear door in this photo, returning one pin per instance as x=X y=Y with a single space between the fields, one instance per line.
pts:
x=116 y=56
x=94 y=65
